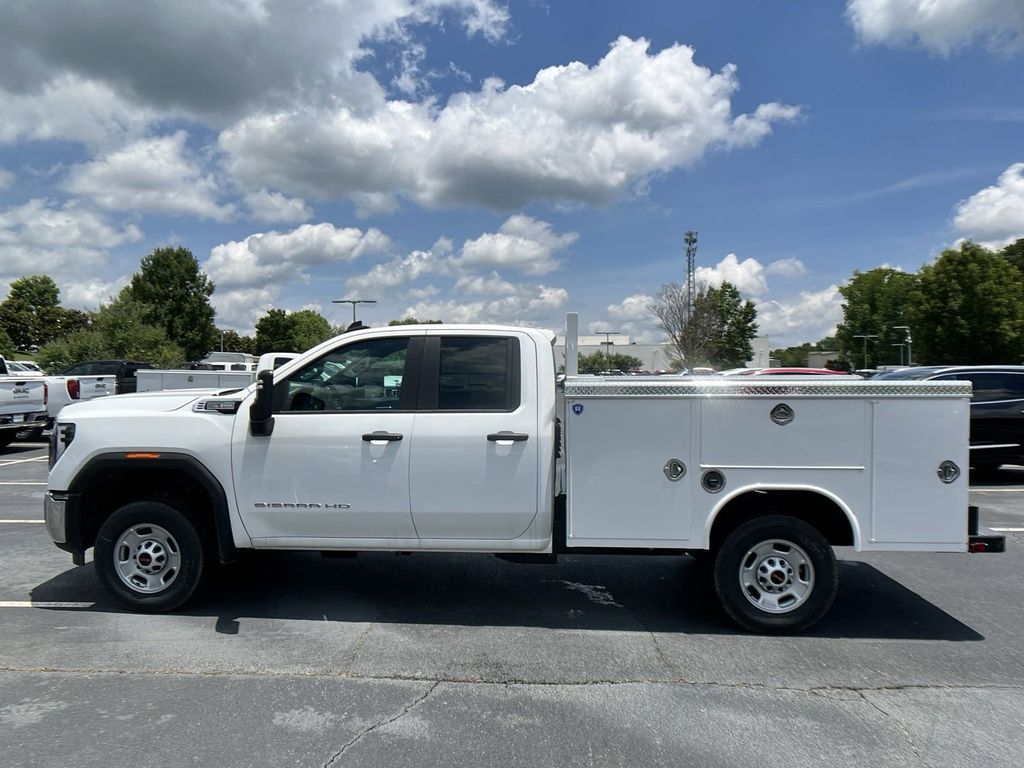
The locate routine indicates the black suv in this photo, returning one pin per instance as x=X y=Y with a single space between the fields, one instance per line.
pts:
x=122 y=370
x=997 y=408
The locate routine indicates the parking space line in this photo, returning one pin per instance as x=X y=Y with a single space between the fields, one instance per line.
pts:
x=9 y=462
x=1007 y=530
x=43 y=604
x=1016 y=489
x=22 y=521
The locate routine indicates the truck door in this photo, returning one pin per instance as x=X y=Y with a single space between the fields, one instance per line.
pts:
x=474 y=464
x=337 y=462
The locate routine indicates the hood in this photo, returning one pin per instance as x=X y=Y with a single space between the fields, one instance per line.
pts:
x=144 y=401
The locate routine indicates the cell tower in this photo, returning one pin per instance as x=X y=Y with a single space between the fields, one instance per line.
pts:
x=690 y=240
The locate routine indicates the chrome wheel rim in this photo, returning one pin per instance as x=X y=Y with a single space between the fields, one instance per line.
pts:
x=147 y=559
x=776 y=576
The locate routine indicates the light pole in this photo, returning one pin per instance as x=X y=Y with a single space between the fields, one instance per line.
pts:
x=865 y=336
x=353 y=302
x=607 y=346
x=906 y=330
x=901 y=351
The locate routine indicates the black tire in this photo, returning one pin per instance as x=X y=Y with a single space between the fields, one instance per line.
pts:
x=142 y=533
x=781 y=560
x=29 y=435
x=6 y=437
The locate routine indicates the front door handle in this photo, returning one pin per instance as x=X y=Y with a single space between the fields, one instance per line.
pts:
x=379 y=438
x=504 y=438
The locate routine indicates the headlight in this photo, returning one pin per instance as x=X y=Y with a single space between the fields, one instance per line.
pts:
x=60 y=438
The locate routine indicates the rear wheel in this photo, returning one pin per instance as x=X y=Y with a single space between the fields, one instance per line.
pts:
x=6 y=437
x=29 y=435
x=149 y=556
x=776 y=574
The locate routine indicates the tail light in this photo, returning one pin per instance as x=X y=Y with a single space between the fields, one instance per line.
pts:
x=74 y=389
x=46 y=393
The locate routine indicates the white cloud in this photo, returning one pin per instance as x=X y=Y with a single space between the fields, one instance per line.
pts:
x=157 y=174
x=37 y=237
x=426 y=292
x=576 y=133
x=994 y=216
x=90 y=293
x=238 y=309
x=492 y=285
x=941 y=26
x=789 y=267
x=529 y=305
x=746 y=275
x=809 y=317
x=71 y=108
x=6 y=178
x=273 y=207
x=635 y=307
x=281 y=257
x=402 y=269
x=521 y=243
x=219 y=59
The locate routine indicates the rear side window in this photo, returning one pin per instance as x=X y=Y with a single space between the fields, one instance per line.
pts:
x=995 y=386
x=478 y=374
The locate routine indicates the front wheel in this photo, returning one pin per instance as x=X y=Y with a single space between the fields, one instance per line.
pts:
x=776 y=574
x=149 y=556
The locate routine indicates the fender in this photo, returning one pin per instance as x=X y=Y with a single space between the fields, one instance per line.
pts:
x=850 y=517
x=178 y=462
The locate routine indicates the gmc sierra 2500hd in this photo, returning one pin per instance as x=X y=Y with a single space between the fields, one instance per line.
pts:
x=459 y=439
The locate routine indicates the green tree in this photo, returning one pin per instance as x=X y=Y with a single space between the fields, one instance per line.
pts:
x=6 y=345
x=120 y=332
x=175 y=296
x=309 y=328
x=274 y=332
x=736 y=327
x=875 y=302
x=413 y=321
x=1014 y=253
x=691 y=328
x=31 y=313
x=232 y=341
x=969 y=308
x=715 y=331
x=603 y=361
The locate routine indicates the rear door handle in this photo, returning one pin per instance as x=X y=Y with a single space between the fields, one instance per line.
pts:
x=504 y=438
x=379 y=438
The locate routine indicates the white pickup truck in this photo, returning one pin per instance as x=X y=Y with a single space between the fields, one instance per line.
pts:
x=225 y=377
x=22 y=404
x=61 y=391
x=459 y=439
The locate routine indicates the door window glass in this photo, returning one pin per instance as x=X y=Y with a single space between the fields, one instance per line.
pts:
x=364 y=376
x=476 y=374
x=990 y=387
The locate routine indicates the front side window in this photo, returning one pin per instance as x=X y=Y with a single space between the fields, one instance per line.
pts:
x=363 y=376
x=478 y=374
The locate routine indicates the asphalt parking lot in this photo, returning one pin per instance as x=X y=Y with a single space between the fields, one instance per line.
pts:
x=293 y=659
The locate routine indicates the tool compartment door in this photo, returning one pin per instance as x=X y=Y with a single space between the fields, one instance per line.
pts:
x=619 y=494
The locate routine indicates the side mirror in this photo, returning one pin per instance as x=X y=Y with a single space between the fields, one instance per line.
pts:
x=261 y=419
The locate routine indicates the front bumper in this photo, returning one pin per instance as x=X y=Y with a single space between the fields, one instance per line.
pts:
x=63 y=522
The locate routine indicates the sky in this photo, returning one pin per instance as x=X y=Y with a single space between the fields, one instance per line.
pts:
x=506 y=160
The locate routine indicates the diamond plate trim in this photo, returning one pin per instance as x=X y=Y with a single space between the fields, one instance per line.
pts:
x=583 y=388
